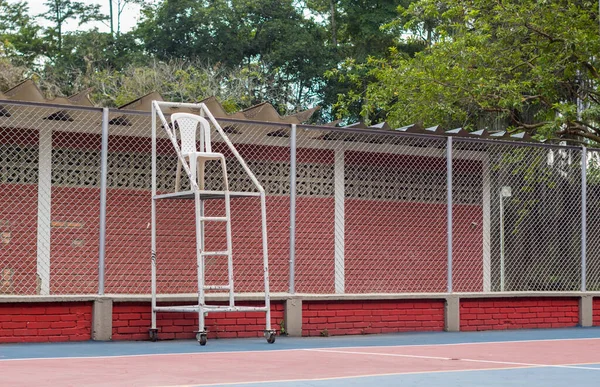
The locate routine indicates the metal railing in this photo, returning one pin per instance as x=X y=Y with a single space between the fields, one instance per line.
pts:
x=348 y=210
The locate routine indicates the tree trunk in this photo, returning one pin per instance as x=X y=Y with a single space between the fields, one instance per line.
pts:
x=333 y=29
x=58 y=27
x=110 y=4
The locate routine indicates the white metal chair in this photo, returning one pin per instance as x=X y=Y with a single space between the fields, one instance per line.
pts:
x=187 y=124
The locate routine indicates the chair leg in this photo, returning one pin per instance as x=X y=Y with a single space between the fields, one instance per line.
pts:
x=200 y=177
x=193 y=168
x=178 y=176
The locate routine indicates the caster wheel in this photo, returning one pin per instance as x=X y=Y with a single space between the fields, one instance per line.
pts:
x=202 y=339
x=153 y=334
x=270 y=337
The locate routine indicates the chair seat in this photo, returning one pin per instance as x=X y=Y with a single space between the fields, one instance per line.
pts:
x=204 y=155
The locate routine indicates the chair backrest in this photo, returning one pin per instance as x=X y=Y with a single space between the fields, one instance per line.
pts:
x=187 y=124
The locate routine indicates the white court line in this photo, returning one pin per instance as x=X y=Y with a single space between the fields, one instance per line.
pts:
x=146 y=355
x=338 y=377
x=455 y=359
x=467 y=343
x=292 y=349
x=370 y=375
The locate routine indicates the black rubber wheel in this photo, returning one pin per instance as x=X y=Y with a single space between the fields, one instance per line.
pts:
x=202 y=339
x=153 y=335
x=271 y=338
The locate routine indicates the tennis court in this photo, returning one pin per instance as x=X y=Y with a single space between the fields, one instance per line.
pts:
x=527 y=357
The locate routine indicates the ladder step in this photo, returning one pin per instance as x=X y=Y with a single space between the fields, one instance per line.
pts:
x=213 y=219
x=207 y=253
x=216 y=287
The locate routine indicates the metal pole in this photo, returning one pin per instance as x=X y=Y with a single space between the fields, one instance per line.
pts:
x=199 y=212
x=263 y=215
x=505 y=192
x=449 y=208
x=583 y=217
x=103 y=174
x=292 y=208
x=153 y=222
x=501 y=242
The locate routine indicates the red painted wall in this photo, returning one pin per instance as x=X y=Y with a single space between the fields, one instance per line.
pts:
x=18 y=235
x=364 y=317
x=401 y=247
x=131 y=321
x=314 y=245
x=42 y=322
x=496 y=314
x=389 y=246
x=596 y=314
x=128 y=244
x=75 y=240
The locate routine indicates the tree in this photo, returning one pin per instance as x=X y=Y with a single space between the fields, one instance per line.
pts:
x=271 y=39
x=19 y=38
x=525 y=66
x=120 y=7
x=84 y=54
x=327 y=10
x=361 y=31
x=61 y=11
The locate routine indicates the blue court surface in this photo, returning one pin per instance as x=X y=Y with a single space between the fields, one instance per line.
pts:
x=558 y=357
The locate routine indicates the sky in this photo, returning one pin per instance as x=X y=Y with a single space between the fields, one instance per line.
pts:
x=129 y=17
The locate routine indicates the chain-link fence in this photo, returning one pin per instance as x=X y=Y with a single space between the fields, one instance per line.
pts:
x=49 y=199
x=371 y=209
x=524 y=216
x=593 y=220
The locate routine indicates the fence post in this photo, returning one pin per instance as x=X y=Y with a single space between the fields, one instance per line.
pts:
x=44 y=210
x=103 y=173
x=292 y=207
x=583 y=217
x=449 y=208
x=339 y=222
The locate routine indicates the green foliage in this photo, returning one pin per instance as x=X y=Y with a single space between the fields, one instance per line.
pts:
x=270 y=38
x=19 y=38
x=175 y=81
x=364 y=31
x=61 y=11
x=498 y=64
x=281 y=49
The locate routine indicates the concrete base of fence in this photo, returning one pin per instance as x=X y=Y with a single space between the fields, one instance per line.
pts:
x=102 y=319
x=452 y=314
x=293 y=317
x=127 y=317
x=586 y=310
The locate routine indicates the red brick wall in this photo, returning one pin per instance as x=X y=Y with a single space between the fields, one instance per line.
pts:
x=366 y=317
x=131 y=321
x=596 y=314
x=506 y=313
x=42 y=322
